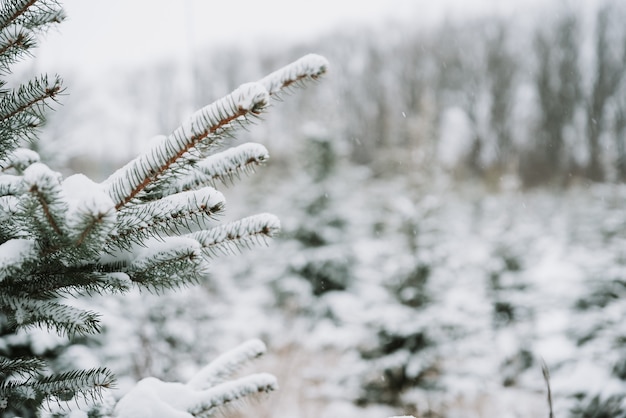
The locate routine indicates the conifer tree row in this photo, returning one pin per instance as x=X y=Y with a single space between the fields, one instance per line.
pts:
x=152 y=224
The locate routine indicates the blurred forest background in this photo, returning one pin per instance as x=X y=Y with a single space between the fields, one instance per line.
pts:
x=452 y=200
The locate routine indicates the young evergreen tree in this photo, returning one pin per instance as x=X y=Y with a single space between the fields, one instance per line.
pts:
x=151 y=224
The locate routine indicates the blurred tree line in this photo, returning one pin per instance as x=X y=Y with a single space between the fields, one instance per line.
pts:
x=539 y=99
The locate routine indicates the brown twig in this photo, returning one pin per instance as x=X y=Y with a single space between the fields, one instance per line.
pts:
x=546 y=377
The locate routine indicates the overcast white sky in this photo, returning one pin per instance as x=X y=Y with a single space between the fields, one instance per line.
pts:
x=116 y=33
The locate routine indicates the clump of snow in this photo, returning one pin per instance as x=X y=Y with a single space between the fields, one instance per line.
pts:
x=86 y=198
x=250 y=96
x=81 y=190
x=14 y=253
x=20 y=159
x=10 y=185
x=41 y=175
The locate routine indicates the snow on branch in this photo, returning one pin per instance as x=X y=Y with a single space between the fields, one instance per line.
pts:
x=210 y=400
x=90 y=215
x=201 y=397
x=19 y=160
x=170 y=263
x=226 y=165
x=21 y=366
x=227 y=364
x=205 y=127
x=25 y=312
x=73 y=385
x=66 y=386
x=14 y=255
x=10 y=185
x=171 y=214
x=43 y=207
x=232 y=236
x=309 y=67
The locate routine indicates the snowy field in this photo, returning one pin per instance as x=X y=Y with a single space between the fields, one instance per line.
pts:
x=435 y=305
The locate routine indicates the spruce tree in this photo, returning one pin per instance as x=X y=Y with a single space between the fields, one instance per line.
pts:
x=152 y=224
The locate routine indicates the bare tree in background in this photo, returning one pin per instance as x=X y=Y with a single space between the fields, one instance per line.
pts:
x=558 y=85
x=610 y=61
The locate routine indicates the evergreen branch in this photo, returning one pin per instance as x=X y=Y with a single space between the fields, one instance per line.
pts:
x=43 y=208
x=204 y=128
x=12 y=10
x=32 y=392
x=23 y=367
x=225 y=165
x=43 y=202
x=94 y=228
x=47 y=284
x=309 y=67
x=19 y=160
x=15 y=41
x=172 y=263
x=30 y=98
x=22 y=110
x=66 y=386
x=89 y=220
x=32 y=14
x=227 y=364
x=137 y=223
x=219 y=396
x=24 y=311
x=9 y=208
x=229 y=237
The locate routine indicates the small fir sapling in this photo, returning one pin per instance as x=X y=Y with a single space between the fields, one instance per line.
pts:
x=151 y=224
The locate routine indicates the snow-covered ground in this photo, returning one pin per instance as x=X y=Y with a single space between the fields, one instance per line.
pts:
x=408 y=301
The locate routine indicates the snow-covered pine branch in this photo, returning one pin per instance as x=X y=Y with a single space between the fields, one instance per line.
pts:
x=203 y=130
x=174 y=214
x=27 y=312
x=19 y=160
x=20 y=367
x=232 y=236
x=225 y=165
x=142 y=226
x=227 y=364
x=16 y=255
x=90 y=218
x=210 y=401
x=57 y=387
x=42 y=205
x=309 y=67
x=169 y=263
x=10 y=185
x=204 y=395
